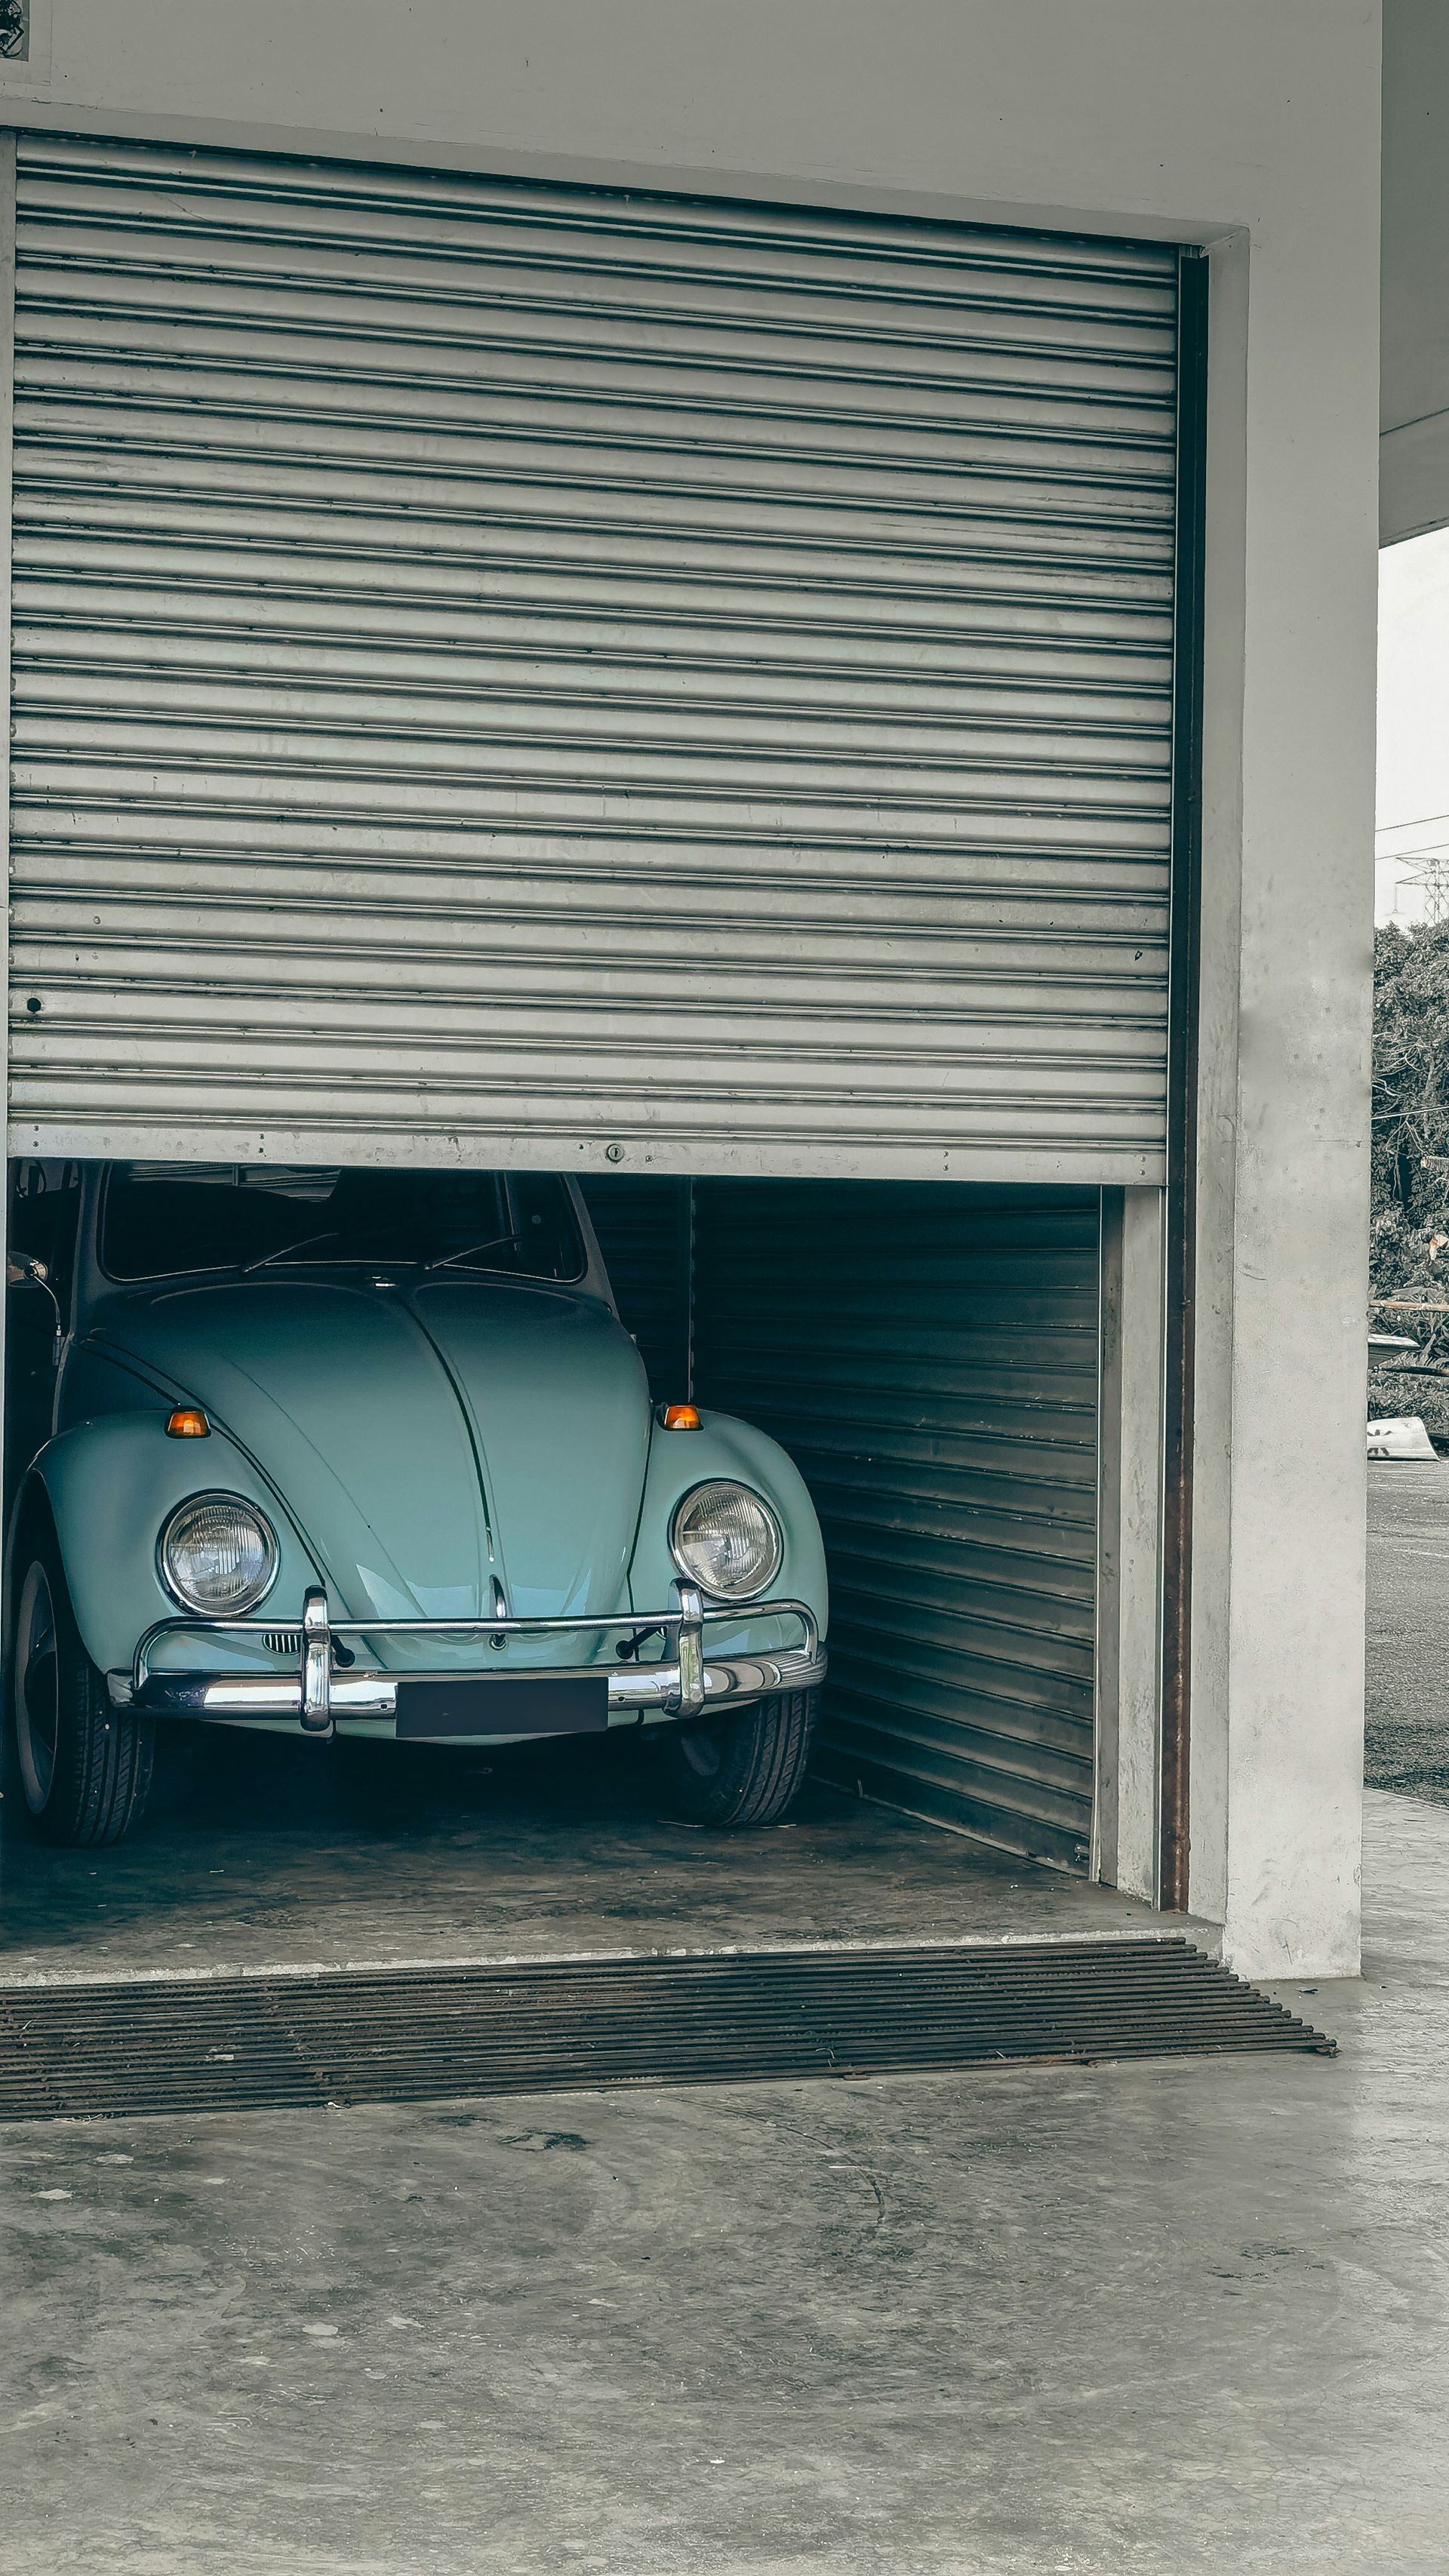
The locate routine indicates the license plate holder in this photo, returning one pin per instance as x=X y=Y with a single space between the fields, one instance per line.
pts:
x=517 y=1704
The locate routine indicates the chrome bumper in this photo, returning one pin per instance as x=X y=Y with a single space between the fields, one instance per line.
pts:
x=318 y=1694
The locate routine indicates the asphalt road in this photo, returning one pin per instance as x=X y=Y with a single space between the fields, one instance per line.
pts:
x=1407 y=1734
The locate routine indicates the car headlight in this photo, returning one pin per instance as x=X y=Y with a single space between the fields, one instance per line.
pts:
x=726 y=1540
x=217 y=1555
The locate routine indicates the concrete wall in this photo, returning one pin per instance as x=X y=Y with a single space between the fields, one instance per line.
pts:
x=1255 y=129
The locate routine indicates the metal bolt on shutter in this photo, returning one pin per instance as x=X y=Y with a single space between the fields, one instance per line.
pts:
x=503 y=669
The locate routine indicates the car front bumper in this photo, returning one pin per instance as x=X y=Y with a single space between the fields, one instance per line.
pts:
x=319 y=1696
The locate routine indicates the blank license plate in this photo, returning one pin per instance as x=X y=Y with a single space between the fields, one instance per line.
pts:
x=573 y=1706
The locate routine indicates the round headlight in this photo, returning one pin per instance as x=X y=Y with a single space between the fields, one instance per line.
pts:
x=218 y=1556
x=726 y=1540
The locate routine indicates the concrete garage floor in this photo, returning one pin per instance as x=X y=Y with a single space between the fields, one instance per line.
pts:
x=259 y=1851
x=1173 y=2319
x=1164 y=2318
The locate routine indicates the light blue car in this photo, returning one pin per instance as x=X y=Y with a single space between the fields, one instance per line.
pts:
x=369 y=1454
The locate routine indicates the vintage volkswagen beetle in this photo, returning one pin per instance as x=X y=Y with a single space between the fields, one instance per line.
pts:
x=370 y=1454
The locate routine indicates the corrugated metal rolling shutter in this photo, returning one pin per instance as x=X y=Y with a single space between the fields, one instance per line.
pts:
x=506 y=668
x=928 y=1355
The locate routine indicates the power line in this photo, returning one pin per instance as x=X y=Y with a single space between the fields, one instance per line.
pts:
x=1410 y=823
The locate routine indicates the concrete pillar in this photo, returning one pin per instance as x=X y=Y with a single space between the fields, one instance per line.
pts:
x=1282 y=1217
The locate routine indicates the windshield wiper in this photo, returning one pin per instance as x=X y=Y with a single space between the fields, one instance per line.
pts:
x=470 y=1252
x=284 y=1250
x=473 y=1251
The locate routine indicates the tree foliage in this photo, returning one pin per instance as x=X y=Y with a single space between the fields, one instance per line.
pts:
x=1410 y=1112
x=1409 y=1223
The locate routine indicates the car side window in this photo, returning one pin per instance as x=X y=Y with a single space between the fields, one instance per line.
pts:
x=44 y=1215
x=44 y=1212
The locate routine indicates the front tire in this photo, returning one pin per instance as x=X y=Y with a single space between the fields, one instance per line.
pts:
x=744 y=1770
x=82 y=1766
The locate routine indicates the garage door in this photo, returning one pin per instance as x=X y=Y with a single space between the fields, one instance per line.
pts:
x=928 y=1355
x=535 y=674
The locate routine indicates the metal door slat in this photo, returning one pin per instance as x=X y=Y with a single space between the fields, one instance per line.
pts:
x=959 y=1512
x=234 y=203
x=989 y=603
x=330 y=673
x=90 y=401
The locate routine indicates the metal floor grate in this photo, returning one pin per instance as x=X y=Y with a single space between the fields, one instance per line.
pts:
x=411 y=2034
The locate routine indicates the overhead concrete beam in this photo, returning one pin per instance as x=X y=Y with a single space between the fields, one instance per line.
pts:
x=1414 y=386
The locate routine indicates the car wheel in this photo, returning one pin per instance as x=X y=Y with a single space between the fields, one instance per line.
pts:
x=83 y=1767
x=745 y=1770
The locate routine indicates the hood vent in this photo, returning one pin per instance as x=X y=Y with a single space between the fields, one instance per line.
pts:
x=288 y=1642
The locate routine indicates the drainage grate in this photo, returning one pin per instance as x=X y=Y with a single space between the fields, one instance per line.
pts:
x=410 y=2034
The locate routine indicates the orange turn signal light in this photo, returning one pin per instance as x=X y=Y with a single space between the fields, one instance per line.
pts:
x=188 y=1422
x=681 y=1417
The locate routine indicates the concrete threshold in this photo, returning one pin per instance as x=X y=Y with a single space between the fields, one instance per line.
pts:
x=256 y=1862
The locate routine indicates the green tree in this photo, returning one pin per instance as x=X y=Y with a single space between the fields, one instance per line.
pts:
x=1410 y=1113
x=1410 y=1199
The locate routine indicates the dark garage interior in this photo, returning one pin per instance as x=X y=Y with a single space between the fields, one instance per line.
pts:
x=928 y=1354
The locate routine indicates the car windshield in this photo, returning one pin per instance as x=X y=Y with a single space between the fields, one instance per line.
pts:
x=162 y=1219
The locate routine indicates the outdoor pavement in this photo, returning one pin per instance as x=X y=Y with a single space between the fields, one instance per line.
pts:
x=1173 y=2319
x=1407 y=1712
x=1166 y=2318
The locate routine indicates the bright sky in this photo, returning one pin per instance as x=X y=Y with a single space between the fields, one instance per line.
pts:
x=1413 y=799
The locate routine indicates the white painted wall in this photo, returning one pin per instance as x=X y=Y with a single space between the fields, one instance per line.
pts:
x=1252 y=125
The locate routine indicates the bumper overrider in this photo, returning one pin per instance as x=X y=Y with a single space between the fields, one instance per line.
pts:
x=320 y=1692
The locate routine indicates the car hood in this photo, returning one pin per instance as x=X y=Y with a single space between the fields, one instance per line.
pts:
x=426 y=1439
